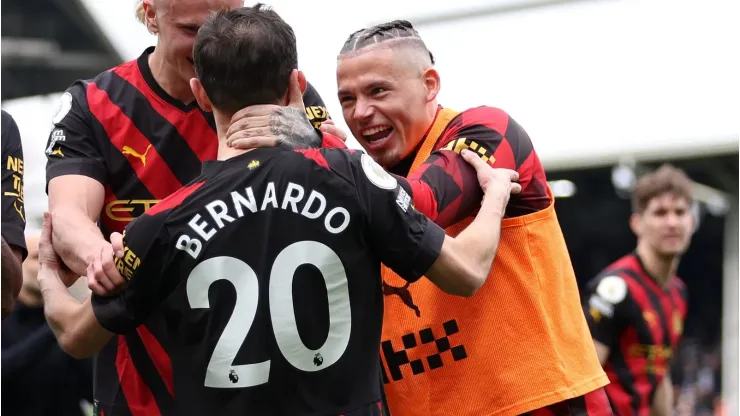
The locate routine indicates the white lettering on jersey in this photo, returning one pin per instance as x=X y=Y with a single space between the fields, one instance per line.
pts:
x=189 y=245
x=221 y=213
x=403 y=200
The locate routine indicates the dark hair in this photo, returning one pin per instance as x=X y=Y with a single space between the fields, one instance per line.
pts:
x=398 y=30
x=244 y=57
x=666 y=180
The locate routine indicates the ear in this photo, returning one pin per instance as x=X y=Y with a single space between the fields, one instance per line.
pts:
x=302 y=82
x=296 y=87
x=636 y=224
x=150 y=17
x=200 y=95
x=432 y=83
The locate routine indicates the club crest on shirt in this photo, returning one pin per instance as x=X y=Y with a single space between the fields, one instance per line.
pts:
x=612 y=289
x=377 y=175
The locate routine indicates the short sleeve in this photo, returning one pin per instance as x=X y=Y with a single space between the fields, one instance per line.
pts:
x=13 y=209
x=402 y=238
x=72 y=147
x=143 y=264
x=606 y=304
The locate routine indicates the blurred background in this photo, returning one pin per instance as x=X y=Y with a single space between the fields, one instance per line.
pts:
x=607 y=90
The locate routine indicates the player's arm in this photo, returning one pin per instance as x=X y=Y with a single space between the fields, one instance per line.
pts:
x=270 y=125
x=147 y=248
x=13 y=210
x=82 y=329
x=12 y=278
x=663 y=399
x=445 y=187
x=72 y=322
x=413 y=246
x=606 y=302
x=75 y=174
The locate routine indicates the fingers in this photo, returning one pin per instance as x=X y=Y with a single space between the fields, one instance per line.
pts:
x=333 y=130
x=46 y=229
x=474 y=160
x=240 y=139
x=102 y=274
x=515 y=188
x=92 y=283
x=253 y=142
x=250 y=114
x=252 y=121
x=116 y=240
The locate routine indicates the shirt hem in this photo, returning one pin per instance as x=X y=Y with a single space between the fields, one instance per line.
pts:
x=557 y=396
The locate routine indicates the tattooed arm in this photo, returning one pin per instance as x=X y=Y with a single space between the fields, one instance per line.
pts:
x=291 y=125
x=291 y=128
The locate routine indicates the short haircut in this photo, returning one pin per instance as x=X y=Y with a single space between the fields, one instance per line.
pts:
x=666 y=180
x=397 y=32
x=244 y=57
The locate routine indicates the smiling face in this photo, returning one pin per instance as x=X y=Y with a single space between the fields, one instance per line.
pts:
x=388 y=99
x=176 y=22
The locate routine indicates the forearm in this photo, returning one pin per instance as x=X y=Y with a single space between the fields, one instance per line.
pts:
x=663 y=400
x=75 y=237
x=480 y=239
x=465 y=261
x=73 y=323
x=62 y=310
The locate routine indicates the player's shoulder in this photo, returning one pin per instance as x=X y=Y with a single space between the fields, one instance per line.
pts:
x=7 y=120
x=614 y=283
x=78 y=89
x=355 y=165
x=611 y=286
x=487 y=124
x=491 y=117
x=10 y=135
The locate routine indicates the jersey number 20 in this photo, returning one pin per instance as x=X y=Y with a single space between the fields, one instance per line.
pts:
x=221 y=372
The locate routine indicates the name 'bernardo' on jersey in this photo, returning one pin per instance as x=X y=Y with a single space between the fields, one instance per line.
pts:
x=336 y=219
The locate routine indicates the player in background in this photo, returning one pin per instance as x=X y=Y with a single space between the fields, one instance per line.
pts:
x=13 y=213
x=636 y=307
x=222 y=256
x=121 y=142
x=521 y=344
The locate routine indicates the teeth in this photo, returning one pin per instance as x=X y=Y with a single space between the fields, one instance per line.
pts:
x=373 y=130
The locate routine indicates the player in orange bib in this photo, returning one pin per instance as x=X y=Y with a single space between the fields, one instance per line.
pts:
x=521 y=344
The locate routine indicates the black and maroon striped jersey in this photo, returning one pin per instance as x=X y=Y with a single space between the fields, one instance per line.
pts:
x=446 y=187
x=641 y=323
x=123 y=130
x=266 y=270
